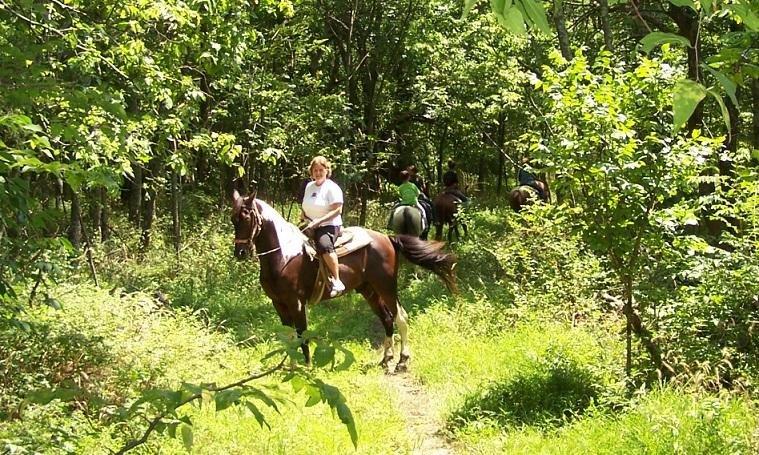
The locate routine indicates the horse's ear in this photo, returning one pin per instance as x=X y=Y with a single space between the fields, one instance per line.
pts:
x=253 y=189
x=236 y=201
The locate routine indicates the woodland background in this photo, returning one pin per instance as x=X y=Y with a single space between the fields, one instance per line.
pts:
x=622 y=317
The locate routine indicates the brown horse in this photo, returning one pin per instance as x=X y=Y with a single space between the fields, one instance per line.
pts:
x=446 y=211
x=289 y=275
x=524 y=195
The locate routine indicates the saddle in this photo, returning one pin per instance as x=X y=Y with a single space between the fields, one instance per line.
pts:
x=351 y=239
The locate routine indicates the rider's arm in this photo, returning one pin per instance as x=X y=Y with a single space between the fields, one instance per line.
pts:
x=335 y=209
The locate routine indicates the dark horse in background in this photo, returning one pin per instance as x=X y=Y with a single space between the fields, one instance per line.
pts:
x=289 y=274
x=524 y=195
x=446 y=212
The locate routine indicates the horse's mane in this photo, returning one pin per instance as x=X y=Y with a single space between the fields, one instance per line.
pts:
x=289 y=236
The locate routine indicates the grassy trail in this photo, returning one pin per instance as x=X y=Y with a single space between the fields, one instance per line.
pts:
x=422 y=414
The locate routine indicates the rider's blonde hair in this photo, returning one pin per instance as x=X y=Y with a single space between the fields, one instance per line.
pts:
x=322 y=161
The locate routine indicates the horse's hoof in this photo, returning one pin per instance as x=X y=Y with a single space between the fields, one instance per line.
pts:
x=402 y=365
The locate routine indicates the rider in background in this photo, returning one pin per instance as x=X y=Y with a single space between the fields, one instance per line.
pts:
x=424 y=197
x=408 y=192
x=451 y=182
x=409 y=195
x=526 y=177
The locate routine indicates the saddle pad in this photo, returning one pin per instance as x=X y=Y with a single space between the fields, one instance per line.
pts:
x=355 y=239
x=351 y=239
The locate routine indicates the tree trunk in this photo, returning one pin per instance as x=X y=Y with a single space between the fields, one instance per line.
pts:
x=500 y=139
x=688 y=26
x=441 y=154
x=482 y=173
x=95 y=208
x=603 y=14
x=561 y=29
x=364 y=197
x=176 y=199
x=635 y=325
x=755 y=110
x=149 y=205
x=135 y=194
x=75 y=225
x=105 y=232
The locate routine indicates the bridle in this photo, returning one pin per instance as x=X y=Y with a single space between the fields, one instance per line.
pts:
x=255 y=229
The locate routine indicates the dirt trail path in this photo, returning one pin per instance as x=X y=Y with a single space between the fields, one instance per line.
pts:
x=423 y=423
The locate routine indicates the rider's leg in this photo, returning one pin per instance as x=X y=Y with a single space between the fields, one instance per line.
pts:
x=326 y=237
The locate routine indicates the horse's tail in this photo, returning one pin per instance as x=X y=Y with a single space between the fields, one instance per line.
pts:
x=428 y=255
x=408 y=222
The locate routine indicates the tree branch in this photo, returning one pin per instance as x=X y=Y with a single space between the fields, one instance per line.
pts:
x=157 y=419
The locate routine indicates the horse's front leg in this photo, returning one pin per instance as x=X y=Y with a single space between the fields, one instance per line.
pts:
x=301 y=323
x=294 y=315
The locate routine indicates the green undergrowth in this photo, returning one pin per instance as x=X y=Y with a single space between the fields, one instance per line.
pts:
x=137 y=344
x=524 y=359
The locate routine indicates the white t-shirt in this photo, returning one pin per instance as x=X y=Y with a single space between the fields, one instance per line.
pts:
x=317 y=199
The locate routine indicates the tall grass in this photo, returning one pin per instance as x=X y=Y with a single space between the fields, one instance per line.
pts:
x=523 y=360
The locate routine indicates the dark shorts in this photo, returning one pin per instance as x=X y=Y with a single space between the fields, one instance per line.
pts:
x=325 y=238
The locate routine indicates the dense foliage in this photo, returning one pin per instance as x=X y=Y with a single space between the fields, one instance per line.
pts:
x=124 y=127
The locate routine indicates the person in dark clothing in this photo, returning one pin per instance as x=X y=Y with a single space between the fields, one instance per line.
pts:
x=526 y=177
x=451 y=182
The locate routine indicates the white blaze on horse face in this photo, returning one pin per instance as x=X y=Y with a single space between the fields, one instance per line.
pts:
x=401 y=319
x=289 y=236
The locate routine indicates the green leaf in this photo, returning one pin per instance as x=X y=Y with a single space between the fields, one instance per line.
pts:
x=723 y=108
x=324 y=354
x=186 y=436
x=346 y=417
x=512 y=21
x=468 y=4
x=499 y=6
x=654 y=39
x=536 y=15
x=348 y=359
x=257 y=414
x=298 y=383
x=172 y=427
x=729 y=86
x=45 y=396
x=226 y=398
x=706 y=6
x=312 y=401
x=686 y=96
x=53 y=303
x=688 y=3
x=746 y=14
x=32 y=127
x=263 y=397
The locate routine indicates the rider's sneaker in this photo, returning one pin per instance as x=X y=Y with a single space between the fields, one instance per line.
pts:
x=337 y=288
